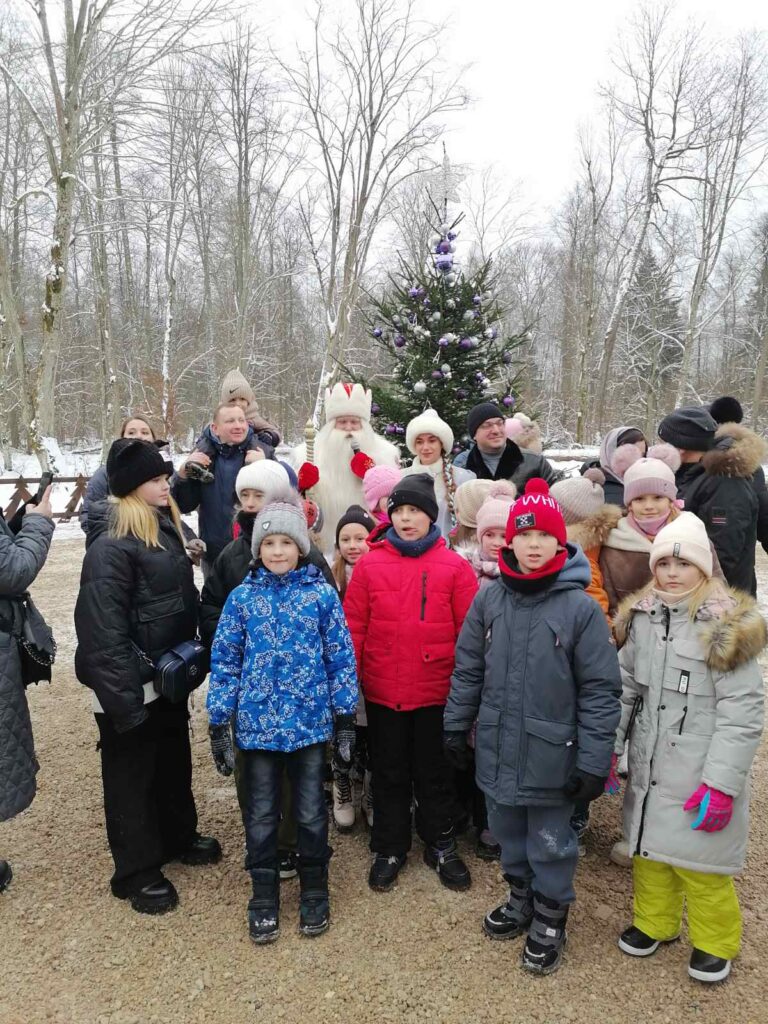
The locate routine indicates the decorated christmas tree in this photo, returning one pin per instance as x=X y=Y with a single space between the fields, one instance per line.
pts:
x=442 y=331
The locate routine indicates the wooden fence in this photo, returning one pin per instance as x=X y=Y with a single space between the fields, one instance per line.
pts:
x=23 y=493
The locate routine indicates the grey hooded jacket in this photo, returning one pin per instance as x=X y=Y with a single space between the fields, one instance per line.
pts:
x=21 y=559
x=541 y=675
x=692 y=708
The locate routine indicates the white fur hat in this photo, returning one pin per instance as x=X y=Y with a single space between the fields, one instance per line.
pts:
x=264 y=475
x=429 y=423
x=347 y=400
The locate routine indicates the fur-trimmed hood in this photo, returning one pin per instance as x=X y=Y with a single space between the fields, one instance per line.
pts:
x=734 y=630
x=738 y=452
x=593 y=531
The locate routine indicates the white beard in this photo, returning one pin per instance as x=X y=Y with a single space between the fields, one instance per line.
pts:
x=339 y=487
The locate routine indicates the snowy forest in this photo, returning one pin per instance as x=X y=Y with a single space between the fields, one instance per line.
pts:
x=178 y=198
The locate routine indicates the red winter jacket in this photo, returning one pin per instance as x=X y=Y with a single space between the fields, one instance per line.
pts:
x=405 y=615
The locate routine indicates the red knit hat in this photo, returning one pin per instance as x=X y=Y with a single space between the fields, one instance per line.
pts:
x=536 y=510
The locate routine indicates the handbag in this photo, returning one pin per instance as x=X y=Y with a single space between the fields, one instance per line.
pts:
x=180 y=670
x=37 y=647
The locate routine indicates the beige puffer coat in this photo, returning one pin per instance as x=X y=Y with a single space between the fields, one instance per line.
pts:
x=692 y=709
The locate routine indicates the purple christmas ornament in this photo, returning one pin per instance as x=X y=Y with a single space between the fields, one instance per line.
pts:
x=375 y=409
x=377 y=332
x=461 y=392
x=437 y=375
x=506 y=358
x=508 y=401
x=398 y=341
x=416 y=292
x=443 y=342
x=451 y=236
x=390 y=429
x=399 y=429
x=444 y=263
x=477 y=299
x=444 y=246
x=465 y=344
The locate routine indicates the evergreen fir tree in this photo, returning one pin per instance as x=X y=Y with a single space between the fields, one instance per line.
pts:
x=441 y=331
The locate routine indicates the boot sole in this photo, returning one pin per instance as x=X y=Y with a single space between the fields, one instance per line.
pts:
x=544 y=971
x=312 y=931
x=202 y=861
x=710 y=977
x=7 y=880
x=154 y=909
x=265 y=940
x=344 y=829
x=634 y=951
x=503 y=936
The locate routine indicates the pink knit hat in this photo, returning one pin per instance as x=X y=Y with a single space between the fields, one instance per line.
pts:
x=378 y=483
x=494 y=512
x=652 y=475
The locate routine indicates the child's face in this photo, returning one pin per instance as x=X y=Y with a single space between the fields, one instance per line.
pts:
x=241 y=403
x=353 y=542
x=492 y=543
x=251 y=500
x=533 y=548
x=156 y=491
x=428 y=448
x=676 y=576
x=410 y=523
x=650 y=506
x=280 y=554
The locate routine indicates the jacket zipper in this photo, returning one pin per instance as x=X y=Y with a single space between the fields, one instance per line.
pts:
x=650 y=766
x=682 y=721
x=423 y=594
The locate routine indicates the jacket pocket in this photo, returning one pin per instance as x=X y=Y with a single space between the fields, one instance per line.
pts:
x=160 y=608
x=487 y=744
x=678 y=771
x=550 y=753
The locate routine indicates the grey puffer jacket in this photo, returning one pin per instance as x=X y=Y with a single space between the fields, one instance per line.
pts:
x=21 y=559
x=692 y=707
x=540 y=674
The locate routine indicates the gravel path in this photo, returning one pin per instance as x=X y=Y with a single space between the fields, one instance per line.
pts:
x=71 y=953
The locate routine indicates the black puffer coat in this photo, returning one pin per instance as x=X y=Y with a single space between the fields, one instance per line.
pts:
x=21 y=558
x=516 y=465
x=129 y=592
x=231 y=568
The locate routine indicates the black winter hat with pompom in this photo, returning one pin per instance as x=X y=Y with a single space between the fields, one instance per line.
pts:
x=131 y=462
x=726 y=409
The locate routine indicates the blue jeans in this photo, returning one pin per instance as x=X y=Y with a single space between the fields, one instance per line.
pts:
x=262 y=777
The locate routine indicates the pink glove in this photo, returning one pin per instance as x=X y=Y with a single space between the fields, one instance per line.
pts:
x=612 y=784
x=715 y=808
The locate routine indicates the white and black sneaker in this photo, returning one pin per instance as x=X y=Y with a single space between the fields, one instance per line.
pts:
x=512 y=918
x=708 y=968
x=543 y=952
x=633 y=942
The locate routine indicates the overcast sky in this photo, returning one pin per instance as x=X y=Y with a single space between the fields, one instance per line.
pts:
x=534 y=75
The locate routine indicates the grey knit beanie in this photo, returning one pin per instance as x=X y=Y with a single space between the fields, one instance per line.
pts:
x=282 y=514
x=580 y=496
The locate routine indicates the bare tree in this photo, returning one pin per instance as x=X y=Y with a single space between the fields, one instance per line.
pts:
x=371 y=100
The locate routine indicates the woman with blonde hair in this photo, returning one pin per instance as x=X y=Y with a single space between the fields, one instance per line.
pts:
x=138 y=600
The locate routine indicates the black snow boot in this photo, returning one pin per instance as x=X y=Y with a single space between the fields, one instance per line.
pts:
x=157 y=897
x=314 y=905
x=513 y=917
x=5 y=875
x=384 y=871
x=451 y=869
x=264 y=906
x=543 y=951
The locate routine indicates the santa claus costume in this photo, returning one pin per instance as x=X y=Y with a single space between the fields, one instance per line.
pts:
x=341 y=457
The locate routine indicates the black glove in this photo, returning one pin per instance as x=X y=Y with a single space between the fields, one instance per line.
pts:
x=222 y=748
x=344 y=738
x=16 y=521
x=457 y=753
x=584 y=786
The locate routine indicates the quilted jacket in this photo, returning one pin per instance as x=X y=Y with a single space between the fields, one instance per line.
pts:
x=405 y=614
x=282 y=662
x=21 y=559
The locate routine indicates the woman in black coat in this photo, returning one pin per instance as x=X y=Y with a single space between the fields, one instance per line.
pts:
x=137 y=591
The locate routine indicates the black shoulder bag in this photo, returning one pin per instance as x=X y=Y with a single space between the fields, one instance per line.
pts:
x=179 y=671
x=37 y=647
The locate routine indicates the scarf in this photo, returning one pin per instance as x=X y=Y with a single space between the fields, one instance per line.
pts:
x=413 y=548
x=648 y=527
x=529 y=582
x=677 y=600
x=482 y=565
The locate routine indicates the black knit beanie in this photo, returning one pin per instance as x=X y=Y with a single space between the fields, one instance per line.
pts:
x=131 y=462
x=726 y=410
x=692 y=429
x=480 y=413
x=417 y=489
x=355 y=514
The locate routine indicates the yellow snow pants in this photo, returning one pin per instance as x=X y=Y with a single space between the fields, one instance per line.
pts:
x=714 y=917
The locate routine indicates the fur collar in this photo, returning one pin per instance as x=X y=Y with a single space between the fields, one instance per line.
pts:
x=738 y=452
x=593 y=531
x=734 y=632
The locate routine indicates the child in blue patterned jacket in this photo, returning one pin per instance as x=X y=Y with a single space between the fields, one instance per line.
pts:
x=283 y=669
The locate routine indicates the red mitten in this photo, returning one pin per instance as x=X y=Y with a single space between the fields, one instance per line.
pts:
x=612 y=784
x=309 y=475
x=361 y=463
x=715 y=808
